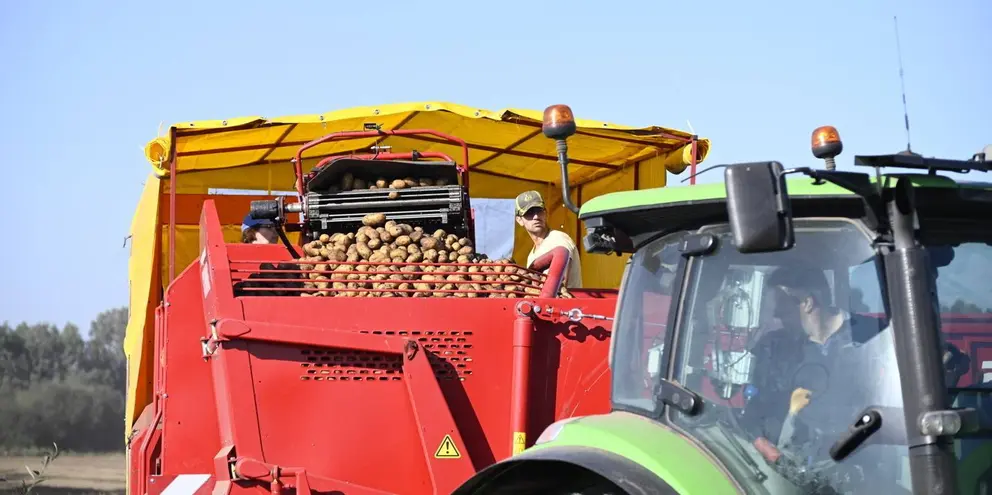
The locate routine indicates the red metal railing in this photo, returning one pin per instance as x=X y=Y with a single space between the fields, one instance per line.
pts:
x=340 y=136
x=394 y=279
x=386 y=156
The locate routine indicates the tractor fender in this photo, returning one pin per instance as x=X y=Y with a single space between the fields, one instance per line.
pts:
x=566 y=469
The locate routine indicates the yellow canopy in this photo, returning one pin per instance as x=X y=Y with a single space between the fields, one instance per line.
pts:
x=508 y=155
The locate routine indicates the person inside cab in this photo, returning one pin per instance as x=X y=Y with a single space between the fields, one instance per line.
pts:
x=804 y=364
x=254 y=231
x=532 y=215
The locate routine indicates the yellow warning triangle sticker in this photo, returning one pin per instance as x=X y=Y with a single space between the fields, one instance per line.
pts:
x=447 y=449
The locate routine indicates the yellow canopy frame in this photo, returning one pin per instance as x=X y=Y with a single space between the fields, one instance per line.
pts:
x=508 y=154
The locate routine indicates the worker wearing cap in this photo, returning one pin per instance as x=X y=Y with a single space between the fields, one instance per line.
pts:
x=532 y=215
x=255 y=231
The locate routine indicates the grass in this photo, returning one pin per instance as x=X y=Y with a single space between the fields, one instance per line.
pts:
x=68 y=474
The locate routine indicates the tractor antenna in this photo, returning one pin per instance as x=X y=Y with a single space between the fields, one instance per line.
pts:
x=902 y=83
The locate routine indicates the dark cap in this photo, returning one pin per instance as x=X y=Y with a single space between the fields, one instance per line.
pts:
x=527 y=200
x=250 y=222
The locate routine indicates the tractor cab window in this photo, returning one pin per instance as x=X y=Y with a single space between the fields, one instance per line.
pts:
x=784 y=366
x=645 y=299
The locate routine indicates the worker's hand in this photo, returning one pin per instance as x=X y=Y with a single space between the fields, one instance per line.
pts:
x=799 y=400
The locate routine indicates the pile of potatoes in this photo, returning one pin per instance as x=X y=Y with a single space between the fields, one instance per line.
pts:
x=351 y=183
x=429 y=271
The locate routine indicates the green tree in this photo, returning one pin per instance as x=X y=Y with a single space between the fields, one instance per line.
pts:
x=58 y=387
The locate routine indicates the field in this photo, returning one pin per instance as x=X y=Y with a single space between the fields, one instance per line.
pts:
x=69 y=474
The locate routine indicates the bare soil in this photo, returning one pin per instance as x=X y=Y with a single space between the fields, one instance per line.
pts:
x=69 y=474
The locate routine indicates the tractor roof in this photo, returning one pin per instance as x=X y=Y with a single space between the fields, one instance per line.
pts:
x=670 y=207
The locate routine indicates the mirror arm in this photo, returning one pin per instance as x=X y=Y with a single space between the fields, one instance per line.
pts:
x=872 y=200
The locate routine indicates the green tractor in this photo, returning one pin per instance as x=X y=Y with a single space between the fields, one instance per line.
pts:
x=826 y=333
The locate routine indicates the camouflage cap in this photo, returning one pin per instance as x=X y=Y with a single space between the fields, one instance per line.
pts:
x=527 y=200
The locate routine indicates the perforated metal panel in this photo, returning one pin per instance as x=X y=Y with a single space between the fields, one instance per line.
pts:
x=449 y=352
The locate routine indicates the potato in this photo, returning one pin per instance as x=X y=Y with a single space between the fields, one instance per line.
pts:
x=429 y=243
x=425 y=182
x=394 y=230
x=337 y=255
x=452 y=257
x=374 y=219
x=362 y=237
x=385 y=236
x=455 y=246
x=461 y=258
x=310 y=250
x=439 y=234
x=320 y=267
x=375 y=243
x=380 y=183
x=364 y=251
x=393 y=195
x=441 y=182
x=304 y=266
x=397 y=184
x=467 y=251
x=414 y=258
x=402 y=240
x=324 y=238
x=416 y=235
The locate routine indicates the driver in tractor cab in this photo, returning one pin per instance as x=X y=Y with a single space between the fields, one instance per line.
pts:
x=804 y=360
x=815 y=365
x=532 y=215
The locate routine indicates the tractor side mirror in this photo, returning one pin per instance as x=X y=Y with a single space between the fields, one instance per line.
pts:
x=758 y=207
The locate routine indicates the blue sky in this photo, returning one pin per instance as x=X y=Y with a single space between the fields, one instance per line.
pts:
x=84 y=85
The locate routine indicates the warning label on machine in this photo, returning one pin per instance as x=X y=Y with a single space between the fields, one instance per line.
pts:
x=447 y=449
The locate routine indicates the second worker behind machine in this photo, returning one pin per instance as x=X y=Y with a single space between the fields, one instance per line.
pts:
x=531 y=214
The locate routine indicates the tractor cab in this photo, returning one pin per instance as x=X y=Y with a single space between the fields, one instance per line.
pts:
x=790 y=331
x=824 y=333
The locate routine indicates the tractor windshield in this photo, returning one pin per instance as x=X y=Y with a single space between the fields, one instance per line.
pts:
x=787 y=349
